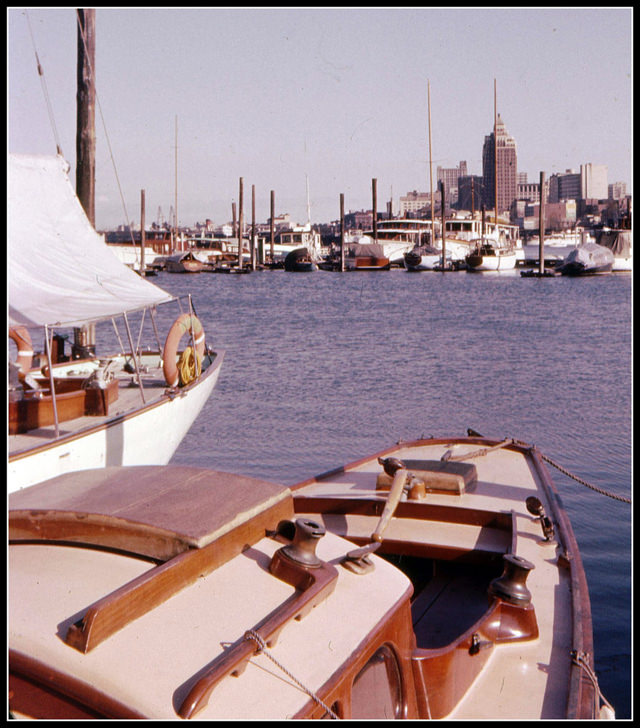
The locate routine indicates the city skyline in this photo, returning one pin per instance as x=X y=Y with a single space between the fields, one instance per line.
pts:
x=333 y=96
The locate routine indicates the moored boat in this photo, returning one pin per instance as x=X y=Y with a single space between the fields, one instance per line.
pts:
x=589 y=259
x=365 y=257
x=490 y=256
x=110 y=400
x=619 y=241
x=300 y=261
x=187 y=261
x=439 y=578
x=399 y=236
x=423 y=257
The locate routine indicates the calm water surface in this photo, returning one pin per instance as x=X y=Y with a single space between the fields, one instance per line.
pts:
x=323 y=368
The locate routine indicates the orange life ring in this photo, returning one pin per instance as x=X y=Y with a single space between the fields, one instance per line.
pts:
x=20 y=335
x=181 y=326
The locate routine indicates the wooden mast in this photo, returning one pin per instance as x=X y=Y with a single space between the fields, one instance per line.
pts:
x=86 y=112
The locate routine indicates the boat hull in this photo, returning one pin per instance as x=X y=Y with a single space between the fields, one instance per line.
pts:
x=505 y=261
x=118 y=439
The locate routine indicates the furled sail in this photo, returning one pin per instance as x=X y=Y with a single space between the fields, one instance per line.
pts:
x=60 y=271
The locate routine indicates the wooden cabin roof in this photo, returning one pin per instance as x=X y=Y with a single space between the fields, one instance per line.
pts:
x=155 y=511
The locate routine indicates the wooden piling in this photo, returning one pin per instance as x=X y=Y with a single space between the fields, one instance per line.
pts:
x=433 y=230
x=442 y=211
x=272 y=233
x=86 y=112
x=374 y=194
x=253 y=227
x=240 y=221
x=143 y=237
x=342 y=232
x=541 y=226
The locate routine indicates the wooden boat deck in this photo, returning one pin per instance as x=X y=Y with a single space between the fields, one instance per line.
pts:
x=129 y=399
x=162 y=636
x=505 y=479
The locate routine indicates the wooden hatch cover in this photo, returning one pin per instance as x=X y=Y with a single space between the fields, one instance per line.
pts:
x=153 y=511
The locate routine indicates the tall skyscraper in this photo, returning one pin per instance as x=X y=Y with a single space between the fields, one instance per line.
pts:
x=507 y=168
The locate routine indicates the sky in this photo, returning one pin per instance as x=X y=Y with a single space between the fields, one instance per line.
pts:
x=318 y=99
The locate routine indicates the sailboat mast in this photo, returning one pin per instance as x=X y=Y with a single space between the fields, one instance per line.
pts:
x=86 y=112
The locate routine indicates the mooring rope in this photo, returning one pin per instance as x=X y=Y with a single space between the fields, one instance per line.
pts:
x=252 y=635
x=622 y=498
x=581 y=659
x=566 y=472
x=546 y=458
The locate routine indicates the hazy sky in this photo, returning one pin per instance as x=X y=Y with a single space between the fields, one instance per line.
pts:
x=336 y=95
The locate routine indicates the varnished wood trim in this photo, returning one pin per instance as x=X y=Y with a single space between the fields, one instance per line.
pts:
x=581 y=700
x=147 y=591
x=374 y=505
x=394 y=630
x=36 y=688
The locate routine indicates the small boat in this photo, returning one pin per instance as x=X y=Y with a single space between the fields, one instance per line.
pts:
x=128 y=389
x=490 y=256
x=186 y=261
x=399 y=236
x=300 y=261
x=366 y=256
x=437 y=579
x=424 y=257
x=286 y=241
x=589 y=259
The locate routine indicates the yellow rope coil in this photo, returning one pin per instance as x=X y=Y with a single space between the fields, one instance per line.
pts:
x=189 y=366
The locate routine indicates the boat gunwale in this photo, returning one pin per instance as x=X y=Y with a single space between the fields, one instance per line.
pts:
x=119 y=418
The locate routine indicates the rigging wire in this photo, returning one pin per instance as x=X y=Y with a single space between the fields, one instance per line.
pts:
x=45 y=91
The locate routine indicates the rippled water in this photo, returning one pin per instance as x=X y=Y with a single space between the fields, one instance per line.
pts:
x=323 y=368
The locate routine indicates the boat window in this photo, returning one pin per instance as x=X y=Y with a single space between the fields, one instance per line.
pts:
x=376 y=691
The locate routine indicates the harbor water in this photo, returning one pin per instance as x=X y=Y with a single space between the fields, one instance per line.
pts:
x=324 y=368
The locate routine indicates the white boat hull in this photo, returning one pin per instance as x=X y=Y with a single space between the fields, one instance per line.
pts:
x=147 y=436
x=505 y=261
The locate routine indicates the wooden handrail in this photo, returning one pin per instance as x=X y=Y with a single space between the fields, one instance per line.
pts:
x=142 y=594
x=313 y=585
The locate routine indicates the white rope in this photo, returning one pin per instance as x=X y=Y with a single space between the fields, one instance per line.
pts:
x=252 y=635
x=581 y=659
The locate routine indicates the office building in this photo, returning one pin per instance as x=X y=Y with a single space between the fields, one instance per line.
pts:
x=507 y=168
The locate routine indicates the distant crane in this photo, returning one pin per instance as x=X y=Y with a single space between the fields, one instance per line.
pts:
x=160 y=217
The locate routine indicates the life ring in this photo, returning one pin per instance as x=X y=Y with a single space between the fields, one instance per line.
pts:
x=20 y=335
x=181 y=326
